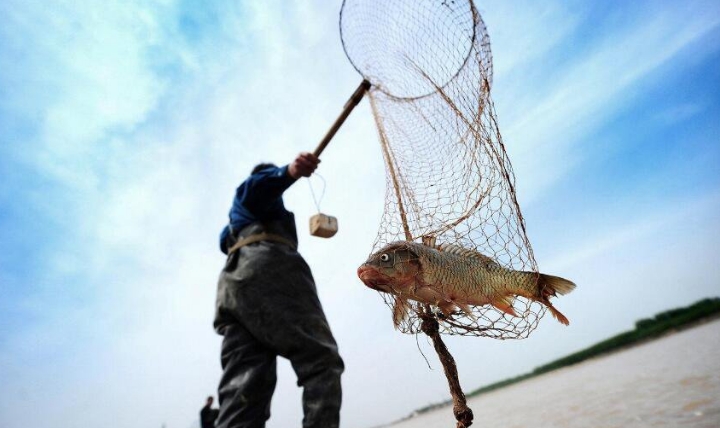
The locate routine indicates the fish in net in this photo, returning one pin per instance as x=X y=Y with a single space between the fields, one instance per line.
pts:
x=450 y=184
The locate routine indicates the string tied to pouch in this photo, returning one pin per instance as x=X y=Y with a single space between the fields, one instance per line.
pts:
x=321 y=225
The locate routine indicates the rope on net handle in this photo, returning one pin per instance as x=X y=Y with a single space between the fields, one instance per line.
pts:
x=463 y=414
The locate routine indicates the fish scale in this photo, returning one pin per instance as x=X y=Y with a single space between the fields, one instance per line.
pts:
x=456 y=273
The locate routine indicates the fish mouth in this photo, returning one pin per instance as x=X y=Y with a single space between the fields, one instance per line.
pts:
x=372 y=278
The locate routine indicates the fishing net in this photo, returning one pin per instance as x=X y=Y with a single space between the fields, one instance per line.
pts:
x=448 y=178
x=427 y=66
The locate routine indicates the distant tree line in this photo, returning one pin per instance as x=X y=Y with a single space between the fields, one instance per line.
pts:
x=648 y=328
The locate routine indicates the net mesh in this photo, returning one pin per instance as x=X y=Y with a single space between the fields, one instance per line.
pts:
x=449 y=181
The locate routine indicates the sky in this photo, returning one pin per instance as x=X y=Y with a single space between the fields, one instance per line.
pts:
x=125 y=127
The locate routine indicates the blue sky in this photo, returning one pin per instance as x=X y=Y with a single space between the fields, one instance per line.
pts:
x=125 y=127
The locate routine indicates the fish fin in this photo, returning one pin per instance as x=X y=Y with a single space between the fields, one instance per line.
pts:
x=550 y=285
x=555 y=313
x=400 y=311
x=466 y=252
x=504 y=304
x=467 y=309
x=447 y=308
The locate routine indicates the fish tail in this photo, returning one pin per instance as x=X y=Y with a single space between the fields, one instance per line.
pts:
x=549 y=285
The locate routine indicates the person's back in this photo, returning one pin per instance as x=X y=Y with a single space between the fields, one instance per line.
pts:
x=267 y=305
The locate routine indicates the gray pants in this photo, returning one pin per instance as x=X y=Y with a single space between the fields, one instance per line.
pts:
x=268 y=306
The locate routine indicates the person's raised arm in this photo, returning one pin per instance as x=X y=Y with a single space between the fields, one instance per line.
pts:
x=264 y=187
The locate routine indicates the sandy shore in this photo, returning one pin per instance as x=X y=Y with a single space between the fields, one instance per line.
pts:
x=670 y=382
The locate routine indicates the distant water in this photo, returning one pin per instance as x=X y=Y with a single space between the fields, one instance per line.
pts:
x=670 y=382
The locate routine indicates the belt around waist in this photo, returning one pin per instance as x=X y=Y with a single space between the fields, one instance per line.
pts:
x=251 y=239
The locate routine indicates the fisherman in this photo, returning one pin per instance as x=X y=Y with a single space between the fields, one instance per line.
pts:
x=267 y=305
x=208 y=414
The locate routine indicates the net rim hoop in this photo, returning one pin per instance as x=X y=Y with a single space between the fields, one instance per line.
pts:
x=476 y=19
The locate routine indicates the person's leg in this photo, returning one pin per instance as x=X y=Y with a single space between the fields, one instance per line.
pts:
x=275 y=299
x=318 y=367
x=248 y=380
x=294 y=325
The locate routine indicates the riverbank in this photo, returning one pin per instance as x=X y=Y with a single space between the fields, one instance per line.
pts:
x=670 y=381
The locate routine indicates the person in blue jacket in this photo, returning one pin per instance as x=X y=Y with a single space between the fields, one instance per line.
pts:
x=267 y=306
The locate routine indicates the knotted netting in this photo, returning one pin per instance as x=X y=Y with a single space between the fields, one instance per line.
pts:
x=448 y=177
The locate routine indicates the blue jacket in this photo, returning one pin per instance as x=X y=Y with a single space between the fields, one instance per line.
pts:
x=258 y=198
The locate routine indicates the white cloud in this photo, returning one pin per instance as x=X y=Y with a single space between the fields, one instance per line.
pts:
x=86 y=64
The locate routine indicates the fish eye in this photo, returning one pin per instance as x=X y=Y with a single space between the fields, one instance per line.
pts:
x=384 y=257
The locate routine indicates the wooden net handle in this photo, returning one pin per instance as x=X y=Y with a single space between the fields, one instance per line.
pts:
x=354 y=100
